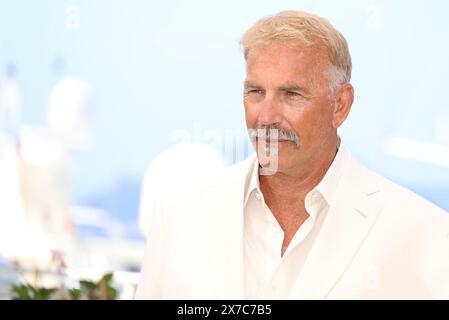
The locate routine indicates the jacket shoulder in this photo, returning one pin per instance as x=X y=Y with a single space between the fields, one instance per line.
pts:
x=188 y=199
x=401 y=199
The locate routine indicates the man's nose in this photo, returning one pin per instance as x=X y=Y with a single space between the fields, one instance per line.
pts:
x=270 y=111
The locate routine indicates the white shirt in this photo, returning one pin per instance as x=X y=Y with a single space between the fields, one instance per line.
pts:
x=267 y=274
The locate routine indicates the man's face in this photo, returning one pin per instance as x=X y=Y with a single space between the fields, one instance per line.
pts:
x=288 y=88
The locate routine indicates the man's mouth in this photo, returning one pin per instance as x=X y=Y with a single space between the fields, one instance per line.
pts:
x=272 y=141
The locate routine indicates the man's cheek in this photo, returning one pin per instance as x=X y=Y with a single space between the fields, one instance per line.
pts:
x=251 y=120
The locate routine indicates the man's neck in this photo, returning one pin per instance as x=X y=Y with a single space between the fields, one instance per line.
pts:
x=285 y=193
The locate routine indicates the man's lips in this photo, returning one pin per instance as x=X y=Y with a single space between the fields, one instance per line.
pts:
x=270 y=141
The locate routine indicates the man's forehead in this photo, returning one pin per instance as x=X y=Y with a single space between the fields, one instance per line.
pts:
x=290 y=61
x=286 y=54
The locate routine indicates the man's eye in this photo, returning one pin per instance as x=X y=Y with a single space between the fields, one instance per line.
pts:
x=256 y=91
x=293 y=94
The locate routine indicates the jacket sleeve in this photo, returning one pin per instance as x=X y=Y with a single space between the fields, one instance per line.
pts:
x=151 y=274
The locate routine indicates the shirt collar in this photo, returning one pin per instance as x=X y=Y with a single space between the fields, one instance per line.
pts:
x=254 y=183
x=326 y=187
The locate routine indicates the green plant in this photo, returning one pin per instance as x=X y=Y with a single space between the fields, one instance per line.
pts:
x=28 y=292
x=98 y=290
x=88 y=290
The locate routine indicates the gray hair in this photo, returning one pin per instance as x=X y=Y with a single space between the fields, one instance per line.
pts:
x=301 y=28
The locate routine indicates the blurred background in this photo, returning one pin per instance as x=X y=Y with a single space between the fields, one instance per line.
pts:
x=100 y=100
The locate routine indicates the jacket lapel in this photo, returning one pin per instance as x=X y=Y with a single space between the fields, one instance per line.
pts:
x=223 y=221
x=347 y=224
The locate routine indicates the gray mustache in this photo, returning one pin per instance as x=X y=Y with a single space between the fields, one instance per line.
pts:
x=273 y=133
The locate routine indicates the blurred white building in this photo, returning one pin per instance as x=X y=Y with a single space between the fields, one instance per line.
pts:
x=10 y=103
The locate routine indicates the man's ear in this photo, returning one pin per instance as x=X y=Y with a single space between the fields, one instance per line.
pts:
x=344 y=97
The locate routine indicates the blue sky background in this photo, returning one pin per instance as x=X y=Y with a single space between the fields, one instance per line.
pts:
x=158 y=66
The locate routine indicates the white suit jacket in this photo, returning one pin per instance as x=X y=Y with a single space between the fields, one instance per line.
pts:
x=378 y=241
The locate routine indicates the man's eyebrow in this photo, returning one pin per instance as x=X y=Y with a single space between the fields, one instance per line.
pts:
x=293 y=87
x=286 y=87
x=251 y=84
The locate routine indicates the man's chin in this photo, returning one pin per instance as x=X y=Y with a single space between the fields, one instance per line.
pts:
x=273 y=165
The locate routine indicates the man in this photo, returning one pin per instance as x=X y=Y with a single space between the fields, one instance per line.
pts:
x=303 y=219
